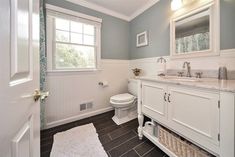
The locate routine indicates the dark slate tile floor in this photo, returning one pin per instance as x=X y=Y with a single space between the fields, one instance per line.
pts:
x=118 y=141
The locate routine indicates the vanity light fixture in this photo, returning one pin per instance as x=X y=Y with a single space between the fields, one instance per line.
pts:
x=176 y=4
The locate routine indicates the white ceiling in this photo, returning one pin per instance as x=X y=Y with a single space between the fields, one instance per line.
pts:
x=124 y=9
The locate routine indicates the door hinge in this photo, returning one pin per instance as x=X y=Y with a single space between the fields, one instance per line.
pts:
x=218 y=103
x=140 y=85
x=218 y=137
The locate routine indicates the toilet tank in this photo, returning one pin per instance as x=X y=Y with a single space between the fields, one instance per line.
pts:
x=132 y=87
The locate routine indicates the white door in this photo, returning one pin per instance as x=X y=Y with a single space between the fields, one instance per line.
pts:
x=19 y=77
x=154 y=101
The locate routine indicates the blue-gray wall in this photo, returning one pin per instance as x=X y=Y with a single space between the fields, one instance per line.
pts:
x=156 y=21
x=114 y=33
x=227 y=22
x=119 y=36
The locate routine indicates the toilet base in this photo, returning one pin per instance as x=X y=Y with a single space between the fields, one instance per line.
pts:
x=124 y=115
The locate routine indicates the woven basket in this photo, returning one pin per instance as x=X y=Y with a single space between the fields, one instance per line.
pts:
x=178 y=146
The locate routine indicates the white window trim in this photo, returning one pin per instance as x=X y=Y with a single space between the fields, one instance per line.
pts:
x=50 y=37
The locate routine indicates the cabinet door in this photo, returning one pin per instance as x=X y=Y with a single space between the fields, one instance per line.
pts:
x=153 y=102
x=195 y=114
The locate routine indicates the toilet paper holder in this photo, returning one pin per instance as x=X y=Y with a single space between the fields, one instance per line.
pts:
x=103 y=84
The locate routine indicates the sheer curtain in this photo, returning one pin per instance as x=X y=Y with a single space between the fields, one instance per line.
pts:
x=43 y=61
x=195 y=42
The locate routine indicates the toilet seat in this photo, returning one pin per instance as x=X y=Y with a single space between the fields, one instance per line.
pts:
x=122 y=98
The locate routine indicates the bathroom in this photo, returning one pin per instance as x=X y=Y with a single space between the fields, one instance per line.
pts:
x=136 y=78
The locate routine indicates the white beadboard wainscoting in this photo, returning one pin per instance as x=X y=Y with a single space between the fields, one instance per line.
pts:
x=69 y=89
x=149 y=66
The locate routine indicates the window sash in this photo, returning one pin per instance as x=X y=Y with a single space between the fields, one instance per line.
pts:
x=71 y=43
x=61 y=13
x=70 y=32
x=54 y=67
x=77 y=68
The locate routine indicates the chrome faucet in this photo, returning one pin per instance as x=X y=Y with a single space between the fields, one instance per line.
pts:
x=188 y=67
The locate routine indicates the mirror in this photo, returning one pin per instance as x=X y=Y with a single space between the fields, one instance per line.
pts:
x=192 y=34
x=194 y=30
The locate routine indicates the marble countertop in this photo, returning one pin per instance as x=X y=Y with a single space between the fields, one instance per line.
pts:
x=208 y=83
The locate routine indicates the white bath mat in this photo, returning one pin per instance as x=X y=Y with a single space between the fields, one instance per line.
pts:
x=81 y=141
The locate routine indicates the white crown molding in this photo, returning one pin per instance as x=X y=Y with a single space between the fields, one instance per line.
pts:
x=99 y=9
x=142 y=9
x=114 y=13
x=74 y=13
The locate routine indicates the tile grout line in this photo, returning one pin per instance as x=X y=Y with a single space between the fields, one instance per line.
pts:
x=137 y=153
x=132 y=148
x=148 y=151
x=143 y=141
x=109 y=154
x=127 y=152
x=119 y=135
x=106 y=128
x=121 y=143
x=135 y=132
x=110 y=137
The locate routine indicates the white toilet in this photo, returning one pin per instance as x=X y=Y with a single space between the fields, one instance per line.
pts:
x=125 y=104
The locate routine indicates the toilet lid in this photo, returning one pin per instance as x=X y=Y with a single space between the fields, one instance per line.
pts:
x=126 y=97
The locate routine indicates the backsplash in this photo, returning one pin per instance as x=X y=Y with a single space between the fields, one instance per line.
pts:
x=207 y=65
x=205 y=73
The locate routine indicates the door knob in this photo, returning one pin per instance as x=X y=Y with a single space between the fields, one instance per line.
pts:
x=40 y=95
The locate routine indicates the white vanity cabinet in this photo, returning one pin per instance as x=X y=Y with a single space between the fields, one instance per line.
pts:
x=191 y=112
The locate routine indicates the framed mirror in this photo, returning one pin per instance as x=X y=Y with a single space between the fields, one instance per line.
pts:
x=193 y=34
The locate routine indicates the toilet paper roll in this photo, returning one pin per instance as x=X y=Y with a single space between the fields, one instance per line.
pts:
x=105 y=84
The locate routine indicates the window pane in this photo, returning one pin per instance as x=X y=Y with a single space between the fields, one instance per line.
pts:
x=62 y=36
x=76 y=38
x=74 y=56
x=89 y=29
x=62 y=24
x=89 y=40
x=76 y=27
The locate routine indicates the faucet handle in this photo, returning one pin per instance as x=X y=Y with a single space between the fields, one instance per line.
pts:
x=198 y=74
x=180 y=73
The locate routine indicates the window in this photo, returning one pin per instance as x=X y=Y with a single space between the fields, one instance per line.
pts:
x=73 y=42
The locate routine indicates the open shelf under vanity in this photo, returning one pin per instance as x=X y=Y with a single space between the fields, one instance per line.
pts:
x=158 y=144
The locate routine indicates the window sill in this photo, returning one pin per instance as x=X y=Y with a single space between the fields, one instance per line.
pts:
x=83 y=71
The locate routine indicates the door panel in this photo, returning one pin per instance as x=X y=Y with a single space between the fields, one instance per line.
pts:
x=21 y=44
x=19 y=77
x=195 y=114
x=153 y=102
x=24 y=139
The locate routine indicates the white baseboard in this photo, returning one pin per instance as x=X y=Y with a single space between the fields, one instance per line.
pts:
x=78 y=117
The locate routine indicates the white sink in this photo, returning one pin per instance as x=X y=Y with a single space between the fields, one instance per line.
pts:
x=184 y=79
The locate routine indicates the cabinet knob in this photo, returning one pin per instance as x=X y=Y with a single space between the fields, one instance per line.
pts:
x=169 y=97
x=165 y=96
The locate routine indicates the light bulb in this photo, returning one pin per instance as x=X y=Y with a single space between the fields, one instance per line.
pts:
x=176 y=4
